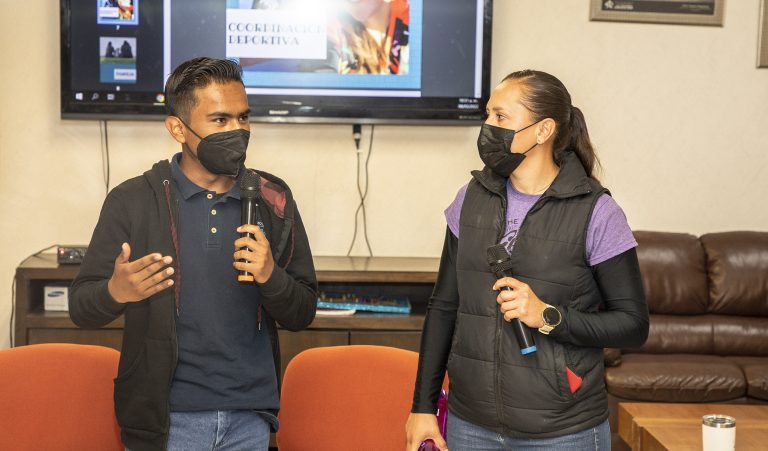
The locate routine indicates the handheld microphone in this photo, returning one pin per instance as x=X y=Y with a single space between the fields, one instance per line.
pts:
x=501 y=266
x=249 y=195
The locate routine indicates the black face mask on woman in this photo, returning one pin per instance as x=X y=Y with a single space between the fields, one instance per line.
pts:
x=222 y=153
x=495 y=147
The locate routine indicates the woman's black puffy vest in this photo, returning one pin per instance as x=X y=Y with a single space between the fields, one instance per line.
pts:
x=492 y=384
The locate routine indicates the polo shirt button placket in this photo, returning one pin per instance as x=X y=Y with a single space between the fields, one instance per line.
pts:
x=213 y=236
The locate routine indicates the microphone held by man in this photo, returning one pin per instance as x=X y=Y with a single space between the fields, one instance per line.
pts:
x=249 y=196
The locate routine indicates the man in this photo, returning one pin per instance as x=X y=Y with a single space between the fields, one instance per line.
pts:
x=199 y=362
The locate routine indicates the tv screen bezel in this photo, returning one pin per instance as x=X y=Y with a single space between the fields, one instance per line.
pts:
x=424 y=111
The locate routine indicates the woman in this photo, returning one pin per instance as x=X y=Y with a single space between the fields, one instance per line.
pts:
x=576 y=285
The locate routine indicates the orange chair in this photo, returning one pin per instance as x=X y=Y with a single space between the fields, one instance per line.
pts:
x=347 y=397
x=58 y=397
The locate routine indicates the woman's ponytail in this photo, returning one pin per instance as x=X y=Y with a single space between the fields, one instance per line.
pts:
x=581 y=144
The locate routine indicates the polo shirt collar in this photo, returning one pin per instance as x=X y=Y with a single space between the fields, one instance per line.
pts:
x=187 y=188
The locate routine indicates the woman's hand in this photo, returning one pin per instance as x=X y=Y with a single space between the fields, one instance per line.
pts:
x=519 y=302
x=421 y=426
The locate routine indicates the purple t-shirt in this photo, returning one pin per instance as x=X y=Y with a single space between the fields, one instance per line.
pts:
x=608 y=233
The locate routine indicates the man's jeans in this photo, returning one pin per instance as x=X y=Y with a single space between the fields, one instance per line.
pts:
x=222 y=430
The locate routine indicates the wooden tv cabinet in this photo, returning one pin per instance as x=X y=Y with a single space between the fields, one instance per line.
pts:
x=412 y=277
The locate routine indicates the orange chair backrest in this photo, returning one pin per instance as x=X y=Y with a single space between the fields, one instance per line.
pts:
x=58 y=397
x=347 y=397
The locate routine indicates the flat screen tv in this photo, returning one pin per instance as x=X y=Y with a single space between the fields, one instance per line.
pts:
x=336 y=61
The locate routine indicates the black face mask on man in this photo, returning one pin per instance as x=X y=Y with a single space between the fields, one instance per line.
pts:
x=222 y=153
x=495 y=147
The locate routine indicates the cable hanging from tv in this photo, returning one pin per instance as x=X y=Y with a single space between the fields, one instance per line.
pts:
x=363 y=192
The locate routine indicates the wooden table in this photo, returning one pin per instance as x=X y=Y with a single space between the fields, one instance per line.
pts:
x=662 y=426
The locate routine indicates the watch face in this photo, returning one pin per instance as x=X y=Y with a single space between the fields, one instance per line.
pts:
x=551 y=316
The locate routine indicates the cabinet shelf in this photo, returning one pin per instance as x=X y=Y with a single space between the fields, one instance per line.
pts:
x=398 y=276
x=328 y=269
x=61 y=320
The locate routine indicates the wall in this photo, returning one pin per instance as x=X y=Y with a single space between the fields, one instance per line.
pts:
x=678 y=114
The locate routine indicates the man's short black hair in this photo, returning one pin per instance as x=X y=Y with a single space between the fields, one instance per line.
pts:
x=196 y=73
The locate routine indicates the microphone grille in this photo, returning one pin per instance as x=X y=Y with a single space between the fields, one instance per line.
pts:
x=497 y=254
x=250 y=185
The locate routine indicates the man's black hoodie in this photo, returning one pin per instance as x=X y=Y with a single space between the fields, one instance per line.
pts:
x=143 y=212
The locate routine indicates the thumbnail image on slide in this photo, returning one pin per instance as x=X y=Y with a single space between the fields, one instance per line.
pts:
x=342 y=37
x=117 y=12
x=117 y=60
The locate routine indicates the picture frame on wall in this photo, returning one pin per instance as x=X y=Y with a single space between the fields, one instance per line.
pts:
x=685 y=12
x=762 y=40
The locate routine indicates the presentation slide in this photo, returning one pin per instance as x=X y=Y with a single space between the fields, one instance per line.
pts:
x=117 y=12
x=117 y=60
x=332 y=44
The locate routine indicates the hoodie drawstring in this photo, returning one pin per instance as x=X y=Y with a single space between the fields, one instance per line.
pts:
x=175 y=238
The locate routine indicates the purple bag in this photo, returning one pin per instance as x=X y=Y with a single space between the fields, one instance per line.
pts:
x=428 y=445
x=442 y=422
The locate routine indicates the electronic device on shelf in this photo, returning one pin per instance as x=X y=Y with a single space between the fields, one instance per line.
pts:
x=56 y=297
x=70 y=255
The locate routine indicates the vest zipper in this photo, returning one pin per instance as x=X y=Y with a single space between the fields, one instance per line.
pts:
x=499 y=324
x=499 y=319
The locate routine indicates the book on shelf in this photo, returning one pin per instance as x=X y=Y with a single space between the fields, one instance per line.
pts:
x=350 y=301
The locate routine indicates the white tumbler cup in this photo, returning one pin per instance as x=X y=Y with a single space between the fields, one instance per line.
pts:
x=718 y=432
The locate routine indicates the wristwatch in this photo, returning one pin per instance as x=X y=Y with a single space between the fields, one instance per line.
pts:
x=552 y=318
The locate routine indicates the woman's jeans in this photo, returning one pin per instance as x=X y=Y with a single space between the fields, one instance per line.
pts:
x=463 y=435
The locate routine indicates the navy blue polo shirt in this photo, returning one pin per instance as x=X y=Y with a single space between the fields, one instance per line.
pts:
x=225 y=361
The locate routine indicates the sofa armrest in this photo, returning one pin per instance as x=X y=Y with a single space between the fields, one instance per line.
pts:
x=611 y=357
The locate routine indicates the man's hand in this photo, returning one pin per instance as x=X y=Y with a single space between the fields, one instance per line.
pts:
x=421 y=426
x=520 y=302
x=137 y=280
x=257 y=254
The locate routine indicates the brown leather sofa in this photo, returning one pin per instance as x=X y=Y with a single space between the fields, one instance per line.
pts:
x=708 y=340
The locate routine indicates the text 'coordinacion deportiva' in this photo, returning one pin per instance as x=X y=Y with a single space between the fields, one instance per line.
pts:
x=270 y=34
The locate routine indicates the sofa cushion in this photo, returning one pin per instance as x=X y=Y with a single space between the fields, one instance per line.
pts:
x=679 y=334
x=756 y=372
x=706 y=334
x=740 y=335
x=674 y=272
x=676 y=378
x=738 y=272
